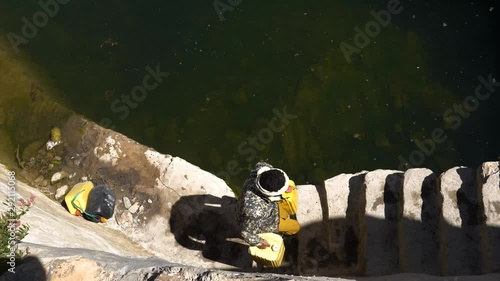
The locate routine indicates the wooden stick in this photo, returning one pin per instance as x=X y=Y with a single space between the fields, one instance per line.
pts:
x=238 y=240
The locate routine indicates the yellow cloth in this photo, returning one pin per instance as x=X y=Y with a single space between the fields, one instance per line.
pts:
x=288 y=206
x=290 y=200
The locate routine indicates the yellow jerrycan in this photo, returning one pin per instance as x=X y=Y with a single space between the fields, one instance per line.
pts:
x=270 y=256
x=76 y=199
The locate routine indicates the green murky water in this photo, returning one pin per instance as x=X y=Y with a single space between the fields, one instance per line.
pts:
x=228 y=79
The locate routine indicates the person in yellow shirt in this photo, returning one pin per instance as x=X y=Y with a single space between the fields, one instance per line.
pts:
x=267 y=204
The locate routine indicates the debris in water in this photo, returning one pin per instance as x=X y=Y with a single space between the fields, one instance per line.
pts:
x=35 y=91
x=108 y=42
x=108 y=94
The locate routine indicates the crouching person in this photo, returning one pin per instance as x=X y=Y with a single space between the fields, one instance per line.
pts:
x=267 y=203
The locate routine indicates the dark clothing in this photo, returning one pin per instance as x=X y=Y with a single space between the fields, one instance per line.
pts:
x=255 y=213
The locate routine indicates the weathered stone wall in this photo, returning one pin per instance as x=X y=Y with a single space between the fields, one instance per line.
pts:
x=385 y=222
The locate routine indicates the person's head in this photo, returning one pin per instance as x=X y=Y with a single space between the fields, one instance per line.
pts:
x=272 y=182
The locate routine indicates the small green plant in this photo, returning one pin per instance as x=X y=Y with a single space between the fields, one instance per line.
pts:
x=12 y=231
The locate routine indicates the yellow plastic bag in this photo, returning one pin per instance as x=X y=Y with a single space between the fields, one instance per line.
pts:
x=78 y=196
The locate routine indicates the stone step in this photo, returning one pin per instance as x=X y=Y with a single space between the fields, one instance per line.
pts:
x=419 y=228
x=330 y=241
x=489 y=183
x=385 y=222
x=346 y=211
x=460 y=247
x=379 y=252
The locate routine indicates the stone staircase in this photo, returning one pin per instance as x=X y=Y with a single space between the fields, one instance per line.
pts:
x=385 y=222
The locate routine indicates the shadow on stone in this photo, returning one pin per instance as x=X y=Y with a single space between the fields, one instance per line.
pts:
x=470 y=214
x=28 y=269
x=318 y=261
x=393 y=191
x=430 y=226
x=203 y=222
x=355 y=211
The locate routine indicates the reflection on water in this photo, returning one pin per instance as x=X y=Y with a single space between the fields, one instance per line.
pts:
x=227 y=79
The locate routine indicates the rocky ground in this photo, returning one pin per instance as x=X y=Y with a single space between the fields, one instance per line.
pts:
x=56 y=264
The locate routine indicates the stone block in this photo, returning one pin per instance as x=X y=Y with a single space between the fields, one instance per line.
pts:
x=379 y=230
x=419 y=228
x=489 y=183
x=346 y=198
x=459 y=247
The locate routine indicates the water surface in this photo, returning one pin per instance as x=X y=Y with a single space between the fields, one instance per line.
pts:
x=228 y=78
